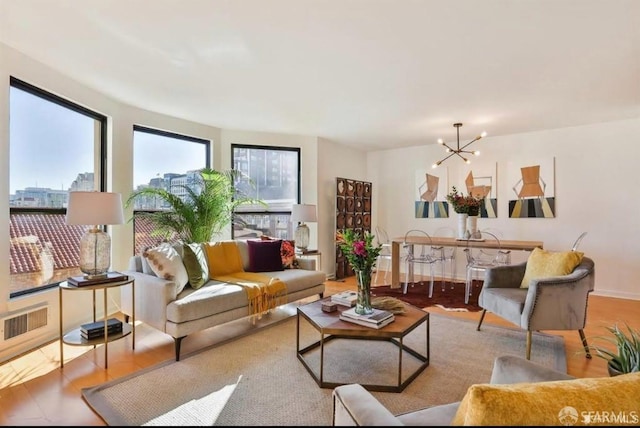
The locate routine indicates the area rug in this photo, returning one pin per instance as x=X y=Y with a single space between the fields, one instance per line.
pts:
x=258 y=380
x=449 y=299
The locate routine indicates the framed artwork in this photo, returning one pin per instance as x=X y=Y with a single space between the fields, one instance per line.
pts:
x=481 y=180
x=430 y=194
x=533 y=185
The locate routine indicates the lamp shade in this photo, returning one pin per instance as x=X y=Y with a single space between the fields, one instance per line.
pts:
x=94 y=208
x=303 y=212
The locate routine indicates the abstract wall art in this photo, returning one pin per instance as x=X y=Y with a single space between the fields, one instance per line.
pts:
x=533 y=185
x=481 y=180
x=430 y=193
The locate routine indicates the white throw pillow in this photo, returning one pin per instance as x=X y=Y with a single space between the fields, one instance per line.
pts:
x=166 y=263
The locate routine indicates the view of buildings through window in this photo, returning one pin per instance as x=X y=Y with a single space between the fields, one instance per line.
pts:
x=166 y=161
x=273 y=176
x=47 y=135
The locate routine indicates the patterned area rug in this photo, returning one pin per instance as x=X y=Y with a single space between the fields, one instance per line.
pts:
x=451 y=299
x=258 y=380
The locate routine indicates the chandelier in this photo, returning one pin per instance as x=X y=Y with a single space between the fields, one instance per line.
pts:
x=460 y=151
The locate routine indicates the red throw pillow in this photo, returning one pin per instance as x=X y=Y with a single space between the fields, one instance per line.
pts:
x=287 y=252
x=264 y=256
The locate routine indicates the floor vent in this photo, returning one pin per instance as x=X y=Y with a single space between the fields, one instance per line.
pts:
x=15 y=325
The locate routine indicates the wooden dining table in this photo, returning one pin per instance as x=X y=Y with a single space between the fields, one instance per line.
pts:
x=451 y=242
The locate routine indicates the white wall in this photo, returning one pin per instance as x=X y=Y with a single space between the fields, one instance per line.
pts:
x=334 y=160
x=596 y=191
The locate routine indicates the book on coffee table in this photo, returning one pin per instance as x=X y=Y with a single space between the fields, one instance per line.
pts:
x=369 y=324
x=379 y=318
x=345 y=298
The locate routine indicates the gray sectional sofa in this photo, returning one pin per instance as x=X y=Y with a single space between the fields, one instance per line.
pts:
x=191 y=310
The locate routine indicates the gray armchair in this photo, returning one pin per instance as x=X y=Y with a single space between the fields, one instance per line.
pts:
x=355 y=406
x=555 y=303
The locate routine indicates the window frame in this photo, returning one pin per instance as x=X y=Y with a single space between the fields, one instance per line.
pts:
x=100 y=169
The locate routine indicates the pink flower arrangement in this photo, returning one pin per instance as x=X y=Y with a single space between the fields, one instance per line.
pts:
x=360 y=251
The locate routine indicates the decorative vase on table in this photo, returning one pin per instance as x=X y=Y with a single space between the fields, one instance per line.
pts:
x=472 y=225
x=363 y=301
x=462 y=225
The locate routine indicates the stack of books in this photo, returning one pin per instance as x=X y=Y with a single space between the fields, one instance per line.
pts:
x=345 y=298
x=81 y=281
x=378 y=319
x=95 y=330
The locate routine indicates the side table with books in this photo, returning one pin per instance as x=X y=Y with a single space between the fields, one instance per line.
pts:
x=101 y=331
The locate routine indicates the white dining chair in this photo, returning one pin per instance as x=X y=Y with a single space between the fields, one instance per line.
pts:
x=385 y=254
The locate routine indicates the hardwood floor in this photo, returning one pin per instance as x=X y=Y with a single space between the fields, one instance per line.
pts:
x=35 y=391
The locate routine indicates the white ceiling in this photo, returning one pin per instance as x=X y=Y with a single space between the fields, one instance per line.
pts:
x=369 y=73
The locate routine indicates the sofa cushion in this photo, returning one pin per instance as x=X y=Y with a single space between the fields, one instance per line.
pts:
x=213 y=298
x=166 y=263
x=566 y=402
x=195 y=261
x=546 y=264
x=287 y=252
x=264 y=256
x=223 y=258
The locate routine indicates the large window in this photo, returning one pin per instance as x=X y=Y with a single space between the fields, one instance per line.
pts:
x=273 y=176
x=54 y=145
x=163 y=160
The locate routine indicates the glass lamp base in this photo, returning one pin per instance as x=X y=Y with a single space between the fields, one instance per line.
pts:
x=95 y=254
x=302 y=236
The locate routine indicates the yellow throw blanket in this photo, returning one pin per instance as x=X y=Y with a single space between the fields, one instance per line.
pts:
x=225 y=264
x=264 y=293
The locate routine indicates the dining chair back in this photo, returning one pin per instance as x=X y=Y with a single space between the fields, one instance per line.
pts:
x=421 y=254
x=577 y=242
x=382 y=238
x=448 y=253
x=480 y=259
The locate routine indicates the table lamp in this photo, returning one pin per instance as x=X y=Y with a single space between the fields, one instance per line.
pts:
x=300 y=213
x=95 y=209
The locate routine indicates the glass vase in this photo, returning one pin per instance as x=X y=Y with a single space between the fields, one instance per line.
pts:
x=472 y=225
x=462 y=225
x=363 y=302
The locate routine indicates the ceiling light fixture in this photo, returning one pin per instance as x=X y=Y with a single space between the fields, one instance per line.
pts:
x=459 y=149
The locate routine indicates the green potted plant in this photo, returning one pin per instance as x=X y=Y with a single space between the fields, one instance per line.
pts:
x=207 y=207
x=626 y=357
